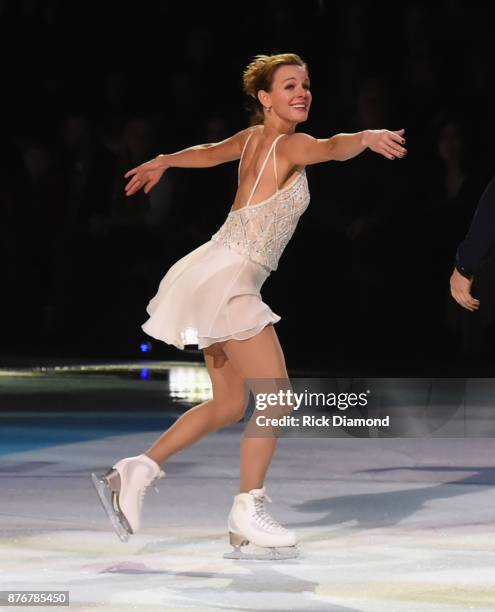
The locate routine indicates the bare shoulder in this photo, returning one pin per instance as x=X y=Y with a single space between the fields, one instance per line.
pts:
x=296 y=139
x=249 y=131
x=303 y=149
x=240 y=138
x=228 y=149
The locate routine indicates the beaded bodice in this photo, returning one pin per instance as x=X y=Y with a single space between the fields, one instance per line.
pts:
x=261 y=231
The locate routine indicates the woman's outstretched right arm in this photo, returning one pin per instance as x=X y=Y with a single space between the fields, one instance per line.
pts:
x=206 y=155
x=148 y=174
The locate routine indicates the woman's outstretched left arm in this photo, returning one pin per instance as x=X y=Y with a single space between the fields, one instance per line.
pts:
x=387 y=143
x=302 y=149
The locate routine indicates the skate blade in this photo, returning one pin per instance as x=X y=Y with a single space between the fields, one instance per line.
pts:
x=101 y=486
x=272 y=554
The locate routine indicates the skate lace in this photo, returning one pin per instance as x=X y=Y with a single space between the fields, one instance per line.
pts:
x=143 y=490
x=261 y=515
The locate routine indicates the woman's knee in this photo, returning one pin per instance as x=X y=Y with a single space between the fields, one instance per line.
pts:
x=230 y=412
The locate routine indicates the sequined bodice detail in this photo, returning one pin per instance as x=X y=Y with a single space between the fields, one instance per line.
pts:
x=261 y=231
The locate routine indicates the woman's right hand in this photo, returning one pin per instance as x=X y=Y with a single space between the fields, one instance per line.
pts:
x=147 y=175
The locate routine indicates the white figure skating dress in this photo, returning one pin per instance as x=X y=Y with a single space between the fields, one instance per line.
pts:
x=213 y=293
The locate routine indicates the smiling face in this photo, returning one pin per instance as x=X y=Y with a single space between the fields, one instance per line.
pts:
x=290 y=96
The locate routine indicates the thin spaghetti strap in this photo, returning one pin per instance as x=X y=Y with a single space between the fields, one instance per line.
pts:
x=275 y=159
x=240 y=160
x=262 y=168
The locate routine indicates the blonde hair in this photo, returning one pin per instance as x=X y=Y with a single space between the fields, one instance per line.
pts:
x=259 y=75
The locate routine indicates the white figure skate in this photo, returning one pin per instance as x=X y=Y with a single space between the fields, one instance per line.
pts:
x=122 y=489
x=249 y=522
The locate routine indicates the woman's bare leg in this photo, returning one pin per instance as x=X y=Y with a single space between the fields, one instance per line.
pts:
x=226 y=407
x=258 y=357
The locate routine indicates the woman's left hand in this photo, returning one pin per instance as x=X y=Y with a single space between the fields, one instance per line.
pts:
x=387 y=143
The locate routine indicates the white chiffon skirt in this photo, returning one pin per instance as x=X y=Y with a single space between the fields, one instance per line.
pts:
x=211 y=294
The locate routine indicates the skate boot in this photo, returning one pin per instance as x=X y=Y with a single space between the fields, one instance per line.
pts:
x=121 y=490
x=250 y=522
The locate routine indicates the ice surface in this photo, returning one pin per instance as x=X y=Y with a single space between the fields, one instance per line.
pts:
x=383 y=524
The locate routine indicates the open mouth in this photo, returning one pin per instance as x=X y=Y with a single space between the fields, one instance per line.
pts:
x=301 y=107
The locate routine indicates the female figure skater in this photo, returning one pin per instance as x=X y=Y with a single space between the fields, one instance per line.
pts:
x=211 y=297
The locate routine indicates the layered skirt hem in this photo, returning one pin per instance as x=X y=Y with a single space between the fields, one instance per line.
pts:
x=210 y=295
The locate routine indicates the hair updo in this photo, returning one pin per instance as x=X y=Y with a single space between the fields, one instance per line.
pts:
x=259 y=75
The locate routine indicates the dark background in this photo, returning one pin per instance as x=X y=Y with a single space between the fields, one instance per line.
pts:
x=91 y=90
